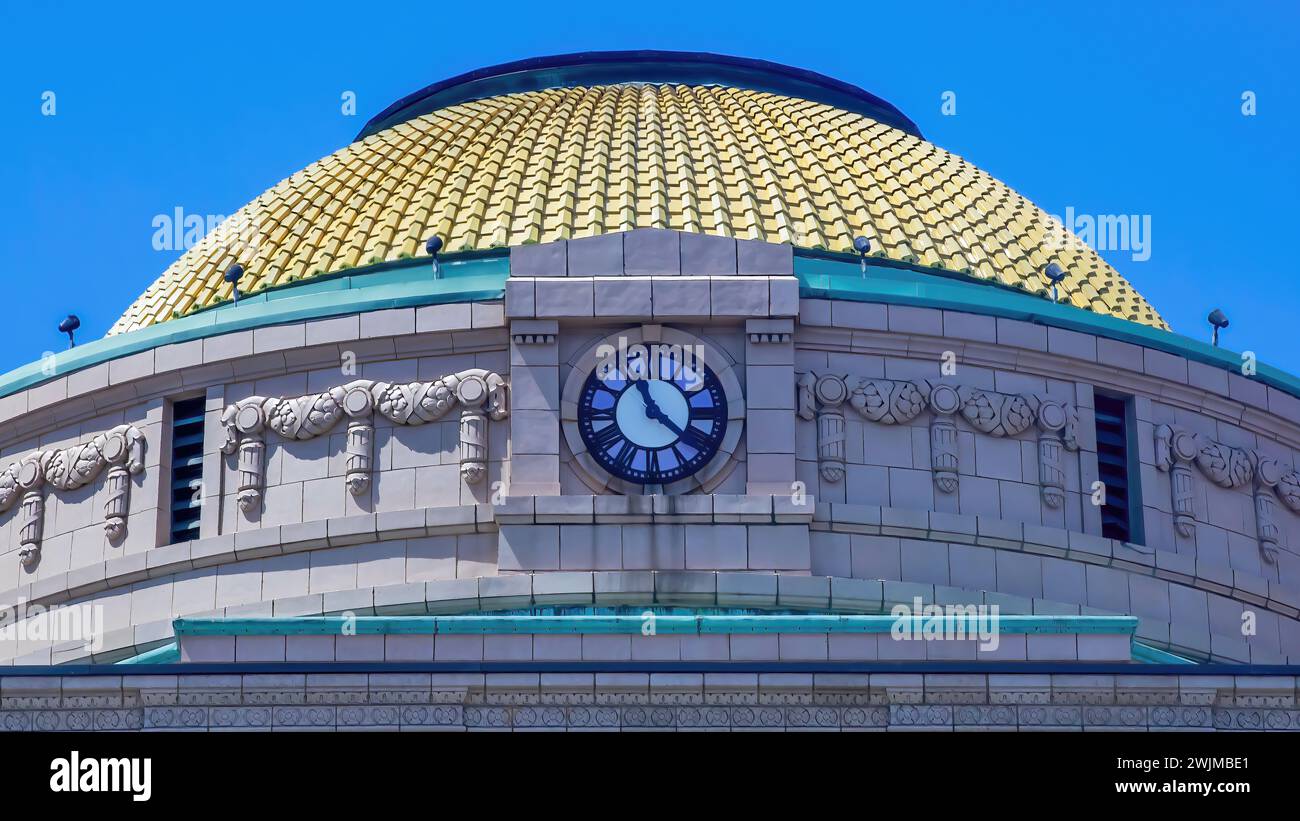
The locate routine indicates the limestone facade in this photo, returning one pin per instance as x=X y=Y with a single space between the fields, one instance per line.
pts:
x=862 y=460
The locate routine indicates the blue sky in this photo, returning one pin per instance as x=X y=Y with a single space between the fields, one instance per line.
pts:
x=1104 y=107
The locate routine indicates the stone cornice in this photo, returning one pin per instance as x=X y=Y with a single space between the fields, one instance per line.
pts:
x=836 y=517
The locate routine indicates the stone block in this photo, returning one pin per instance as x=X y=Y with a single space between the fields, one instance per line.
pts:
x=803 y=592
x=521 y=297
x=623 y=297
x=529 y=547
x=563 y=588
x=654 y=547
x=681 y=297
x=778 y=547
x=591 y=547
x=747 y=589
x=687 y=588
x=651 y=252
x=1017 y=334
x=973 y=327
x=1072 y=343
x=505 y=592
x=716 y=547
x=453 y=316
x=707 y=255
x=596 y=256
x=389 y=322
x=909 y=319
x=564 y=297
x=739 y=296
x=757 y=647
x=764 y=258
x=547 y=259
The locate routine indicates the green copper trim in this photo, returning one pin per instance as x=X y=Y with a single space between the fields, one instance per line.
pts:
x=470 y=276
x=1151 y=655
x=166 y=654
x=827 y=275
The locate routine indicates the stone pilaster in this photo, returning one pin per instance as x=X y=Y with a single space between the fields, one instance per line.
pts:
x=769 y=407
x=534 y=467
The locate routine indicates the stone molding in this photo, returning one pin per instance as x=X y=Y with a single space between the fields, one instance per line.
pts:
x=467 y=519
x=479 y=393
x=120 y=450
x=1178 y=449
x=823 y=396
x=1000 y=701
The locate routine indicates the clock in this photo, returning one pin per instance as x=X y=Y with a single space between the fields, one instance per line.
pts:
x=652 y=410
x=656 y=421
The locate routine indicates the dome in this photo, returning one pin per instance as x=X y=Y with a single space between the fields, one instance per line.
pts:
x=580 y=145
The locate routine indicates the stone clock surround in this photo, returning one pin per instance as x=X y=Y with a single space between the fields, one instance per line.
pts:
x=717 y=359
x=267 y=361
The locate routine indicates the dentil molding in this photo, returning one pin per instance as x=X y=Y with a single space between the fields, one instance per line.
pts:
x=120 y=450
x=479 y=393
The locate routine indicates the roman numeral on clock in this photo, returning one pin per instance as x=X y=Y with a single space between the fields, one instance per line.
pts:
x=625 y=455
x=607 y=437
x=707 y=414
x=695 y=437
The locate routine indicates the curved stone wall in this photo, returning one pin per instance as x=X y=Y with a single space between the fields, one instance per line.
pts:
x=970 y=485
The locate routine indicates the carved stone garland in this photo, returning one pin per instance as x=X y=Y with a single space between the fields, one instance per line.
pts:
x=893 y=402
x=120 y=450
x=1177 y=450
x=480 y=393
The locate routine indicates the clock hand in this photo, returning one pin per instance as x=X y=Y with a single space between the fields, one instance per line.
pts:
x=651 y=407
x=663 y=419
x=644 y=389
x=653 y=411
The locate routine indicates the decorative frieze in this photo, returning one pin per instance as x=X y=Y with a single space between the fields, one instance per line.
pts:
x=120 y=450
x=1228 y=467
x=481 y=394
x=893 y=402
x=1005 y=702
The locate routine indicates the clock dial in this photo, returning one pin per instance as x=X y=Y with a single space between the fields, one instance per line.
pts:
x=653 y=427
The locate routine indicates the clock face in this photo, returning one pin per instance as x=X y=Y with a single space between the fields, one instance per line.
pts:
x=655 y=420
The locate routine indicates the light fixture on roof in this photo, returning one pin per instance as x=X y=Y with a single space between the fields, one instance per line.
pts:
x=433 y=245
x=233 y=274
x=1217 y=319
x=69 y=325
x=862 y=245
x=1054 y=274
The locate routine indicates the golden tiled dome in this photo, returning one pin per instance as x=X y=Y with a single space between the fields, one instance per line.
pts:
x=566 y=162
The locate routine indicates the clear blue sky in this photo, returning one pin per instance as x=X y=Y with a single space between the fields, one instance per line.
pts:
x=1106 y=107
